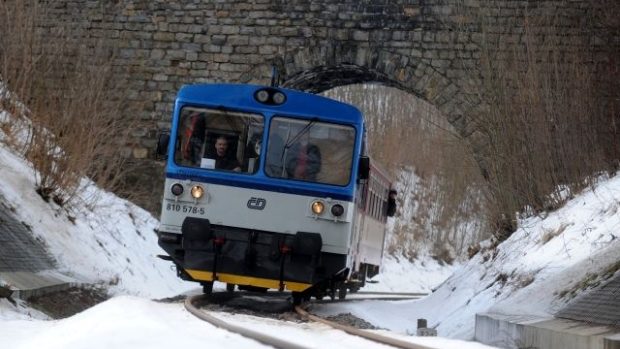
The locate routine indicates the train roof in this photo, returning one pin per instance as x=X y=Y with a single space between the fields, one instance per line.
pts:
x=241 y=96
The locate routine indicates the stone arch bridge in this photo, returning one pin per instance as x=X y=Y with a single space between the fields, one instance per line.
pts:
x=431 y=48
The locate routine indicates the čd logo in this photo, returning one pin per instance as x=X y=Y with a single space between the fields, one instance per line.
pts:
x=257 y=203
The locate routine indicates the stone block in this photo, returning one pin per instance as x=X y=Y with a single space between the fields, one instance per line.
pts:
x=161 y=36
x=246 y=49
x=230 y=29
x=201 y=38
x=221 y=58
x=160 y=77
x=211 y=48
x=191 y=56
x=237 y=40
x=183 y=37
x=218 y=39
x=267 y=49
x=140 y=153
x=359 y=35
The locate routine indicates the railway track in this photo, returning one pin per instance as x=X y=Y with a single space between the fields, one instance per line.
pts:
x=194 y=303
x=376 y=296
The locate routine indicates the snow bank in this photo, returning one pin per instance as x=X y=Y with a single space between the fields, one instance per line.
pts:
x=401 y=275
x=529 y=273
x=112 y=242
x=122 y=322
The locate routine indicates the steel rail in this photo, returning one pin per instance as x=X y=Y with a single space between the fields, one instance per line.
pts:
x=191 y=304
x=375 y=337
x=361 y=299
x=383 y=293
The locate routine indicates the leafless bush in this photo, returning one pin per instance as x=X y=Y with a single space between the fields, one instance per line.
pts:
x=548 y=121
x=65 y=84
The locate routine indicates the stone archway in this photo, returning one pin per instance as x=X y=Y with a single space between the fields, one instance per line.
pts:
x=432 y=49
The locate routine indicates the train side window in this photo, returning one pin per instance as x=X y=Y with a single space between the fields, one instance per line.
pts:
x=374 y=204
x=383 y=202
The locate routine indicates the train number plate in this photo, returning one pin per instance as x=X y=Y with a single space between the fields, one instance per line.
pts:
x=185 y=208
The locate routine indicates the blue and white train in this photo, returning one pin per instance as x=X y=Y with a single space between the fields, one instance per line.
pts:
x=269 y=188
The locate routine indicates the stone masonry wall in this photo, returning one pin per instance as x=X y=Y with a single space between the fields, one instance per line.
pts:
x=430 y=48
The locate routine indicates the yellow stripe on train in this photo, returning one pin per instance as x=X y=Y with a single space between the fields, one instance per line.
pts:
x=201 y=275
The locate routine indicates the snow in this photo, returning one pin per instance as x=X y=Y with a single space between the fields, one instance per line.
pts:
x=320 y=336
x=122 y=322
x=526 y=274
x=93 y=243
x=399 y=274
x=131 y=322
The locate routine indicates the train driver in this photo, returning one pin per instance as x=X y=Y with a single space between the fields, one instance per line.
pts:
x=223 y=160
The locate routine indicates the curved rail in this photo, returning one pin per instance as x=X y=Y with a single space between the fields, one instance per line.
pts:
x=374 y=296
x=191 y=304
x=361 y=333
x=361 y=299
x=383 y=293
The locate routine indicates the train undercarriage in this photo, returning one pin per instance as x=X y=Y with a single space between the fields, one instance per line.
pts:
x=258 y=260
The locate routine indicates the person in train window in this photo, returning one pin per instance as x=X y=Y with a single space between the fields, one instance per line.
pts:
x=194 y=138
x=304 y=161
x=223 y=160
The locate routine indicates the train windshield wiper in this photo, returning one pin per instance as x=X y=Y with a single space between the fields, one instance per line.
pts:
x=291 y=141
x=304 y=130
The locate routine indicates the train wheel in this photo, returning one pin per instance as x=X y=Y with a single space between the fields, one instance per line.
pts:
x=342 y=292
x=207 y=287
x=332 y=293
x=252 y=288
x=297 y=298
x=230 y=287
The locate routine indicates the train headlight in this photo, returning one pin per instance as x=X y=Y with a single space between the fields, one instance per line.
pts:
x=279 y=98
x=176 y=189
x=262 y=96
x=317 y=207
x=337 y=210
x=197 y=192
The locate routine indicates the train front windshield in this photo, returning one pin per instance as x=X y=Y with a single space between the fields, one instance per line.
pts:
x=304 y=150
x=309 y=150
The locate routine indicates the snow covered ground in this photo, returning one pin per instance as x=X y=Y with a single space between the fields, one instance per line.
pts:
x=530 y=273
x=122 y=322
x=131 y=322
x=95 y=244
x=401 y=275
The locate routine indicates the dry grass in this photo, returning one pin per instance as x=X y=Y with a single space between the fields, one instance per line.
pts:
x=64 y=85
x=549 y=234
x=550 y=116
